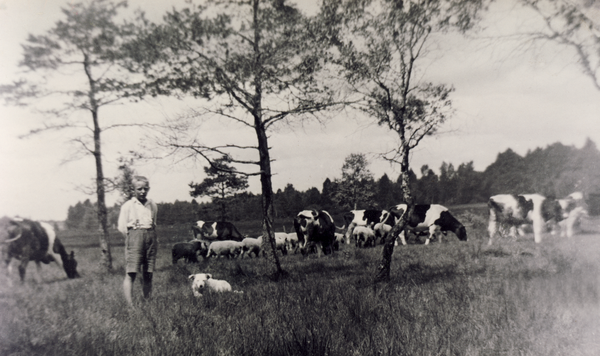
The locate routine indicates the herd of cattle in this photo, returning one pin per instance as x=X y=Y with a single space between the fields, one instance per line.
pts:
x=514 y=214
x=315 y=231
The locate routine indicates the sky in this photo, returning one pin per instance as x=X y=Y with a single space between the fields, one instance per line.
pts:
x=506 y=96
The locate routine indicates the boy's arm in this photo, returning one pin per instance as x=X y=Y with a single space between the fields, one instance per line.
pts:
x=123 y=215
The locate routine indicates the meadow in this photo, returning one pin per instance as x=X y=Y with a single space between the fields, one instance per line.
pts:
x=447 y=298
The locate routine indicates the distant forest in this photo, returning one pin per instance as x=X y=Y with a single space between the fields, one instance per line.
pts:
x=556 y=171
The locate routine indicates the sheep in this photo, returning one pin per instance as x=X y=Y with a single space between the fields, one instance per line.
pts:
x=228 y=248
x=251 y=245
x=364 y=236
x=204 y=281
x=339 y=239
x=282 y=243
x=187 y=250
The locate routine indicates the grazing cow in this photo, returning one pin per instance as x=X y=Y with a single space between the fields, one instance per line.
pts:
x=363 y=236
x=227 y=248
x=204 y=281
x=573 y=208
x=368 y=218
x=188 y=251
x=513 y=211
x=28 y=240
x=315 y=227
x=434 y=218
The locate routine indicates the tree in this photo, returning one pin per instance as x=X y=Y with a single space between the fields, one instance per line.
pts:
x=254 y=64
x=385 y=192
x=573 y=24
x=289 y=201
x=447 y=183
x=124 y=182
x=507 y=174
x=222 y=182
x=380 y=44
x=86 y=46
x=356 y=185
x=312 y=199
x=428 y=186
x=327 y=194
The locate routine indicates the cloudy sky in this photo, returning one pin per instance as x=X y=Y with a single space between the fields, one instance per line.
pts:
x=507 y=96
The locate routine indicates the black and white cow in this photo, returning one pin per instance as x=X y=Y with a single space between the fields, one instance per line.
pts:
x=209 y=231
x=315 y=227
x=573 y=209
x=367 y=218
x=512 y=211
x=28 y=240
x=434 y=218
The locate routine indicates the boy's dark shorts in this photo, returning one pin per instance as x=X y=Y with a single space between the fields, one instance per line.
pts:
x=140 y=250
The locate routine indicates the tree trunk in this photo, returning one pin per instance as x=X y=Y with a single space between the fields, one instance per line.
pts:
x=106 y=257
x=269 y=245
x=263 y=152
x=383 y=269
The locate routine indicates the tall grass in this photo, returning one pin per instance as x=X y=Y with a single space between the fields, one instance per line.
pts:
x=449 y=298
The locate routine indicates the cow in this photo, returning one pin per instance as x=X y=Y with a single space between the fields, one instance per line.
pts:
x=204 y=281
x=315 y=227
x=28 y=240
x=209 y=231
x=368 y=218
x=513 y=211
x=188 y=251
x=573 y=208
x=433 y=218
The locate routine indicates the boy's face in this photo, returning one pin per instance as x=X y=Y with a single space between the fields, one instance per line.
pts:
x=141 y=190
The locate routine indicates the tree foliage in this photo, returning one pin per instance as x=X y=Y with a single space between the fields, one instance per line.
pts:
x=256 y=65
x=74 y=67
x=222 y=182
x=356 y=186
x=381 y=46
x=574 y=170
x=573 y=24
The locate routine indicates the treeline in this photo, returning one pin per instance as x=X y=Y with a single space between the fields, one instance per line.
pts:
x=556 y=170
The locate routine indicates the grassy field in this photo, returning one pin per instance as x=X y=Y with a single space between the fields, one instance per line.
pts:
x=449 y=298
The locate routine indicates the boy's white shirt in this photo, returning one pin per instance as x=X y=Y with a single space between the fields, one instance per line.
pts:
x=136 y=215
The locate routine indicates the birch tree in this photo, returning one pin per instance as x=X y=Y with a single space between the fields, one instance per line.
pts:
x=254 y=64
x=382 y=45
x=70 y=69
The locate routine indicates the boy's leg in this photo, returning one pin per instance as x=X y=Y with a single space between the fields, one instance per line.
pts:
x=128 y=286
x=147 y=288
x=150 y=260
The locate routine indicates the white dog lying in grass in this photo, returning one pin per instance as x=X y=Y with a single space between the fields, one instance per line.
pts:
x=203 y=281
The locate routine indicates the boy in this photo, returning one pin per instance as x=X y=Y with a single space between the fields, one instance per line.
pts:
x=137 y=222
